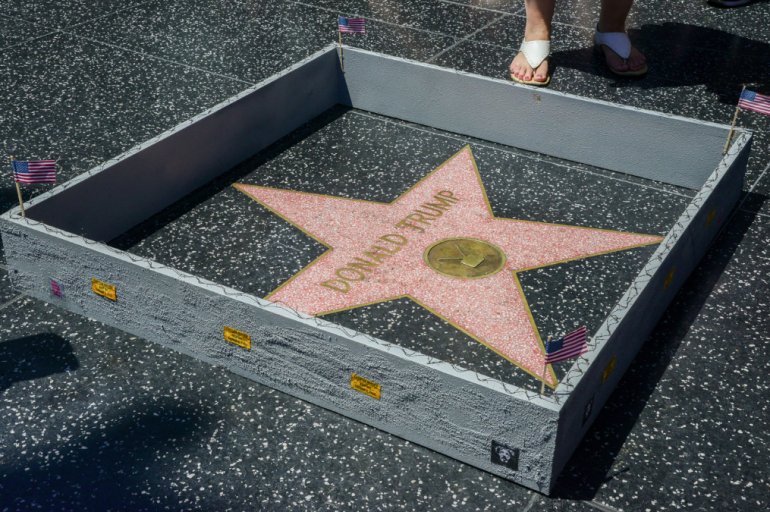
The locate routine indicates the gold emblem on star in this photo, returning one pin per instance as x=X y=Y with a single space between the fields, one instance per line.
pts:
x=466 y=258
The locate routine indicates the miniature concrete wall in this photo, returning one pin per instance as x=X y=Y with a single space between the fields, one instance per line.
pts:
x=108 y=203
x=423 y=400
x=454 y=411
x=647 y=144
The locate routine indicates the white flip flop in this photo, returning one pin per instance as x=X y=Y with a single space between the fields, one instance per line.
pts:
x=619 y=43
x=535 y=52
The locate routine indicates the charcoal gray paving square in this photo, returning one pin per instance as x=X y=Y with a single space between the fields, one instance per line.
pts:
x=247 y=40
x=82 y=103
x=52 y=13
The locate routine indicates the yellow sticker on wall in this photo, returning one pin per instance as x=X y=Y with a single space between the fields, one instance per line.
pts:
x=609 y=369
x=669 y=278
x=103 y=289
x=237 y=337
x=365 y=386
x=711 y=216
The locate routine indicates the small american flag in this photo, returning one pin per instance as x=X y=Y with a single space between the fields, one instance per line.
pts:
x=751 y=100
x=55 y=288
x=569 y=346
x=351 y=25
x=34 y=171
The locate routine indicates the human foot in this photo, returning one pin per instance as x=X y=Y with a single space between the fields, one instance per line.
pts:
x=530 y=66
x=621 y=58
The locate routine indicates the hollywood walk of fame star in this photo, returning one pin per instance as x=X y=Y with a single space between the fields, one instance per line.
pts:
x=440 y=245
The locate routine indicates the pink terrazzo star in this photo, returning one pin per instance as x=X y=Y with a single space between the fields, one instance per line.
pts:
x=376 y=253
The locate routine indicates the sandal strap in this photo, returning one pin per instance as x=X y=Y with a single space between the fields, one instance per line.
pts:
x=618 y=42
x=535 y=52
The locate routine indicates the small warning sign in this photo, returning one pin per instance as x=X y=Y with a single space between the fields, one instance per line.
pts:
x=365 y=386
x=669 y=278
x=609 y=368
x=106 y=290
x=237 y=337
x=712 y=214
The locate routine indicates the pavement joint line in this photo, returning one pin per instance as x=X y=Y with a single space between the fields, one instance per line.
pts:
x=25 y=41
x=571 y=25
x=601 y=506
x=378 y=20
x=91 y=20
x=531 y=502
x=156 y=57
x=746 y=196
x=531 y=157
x=480 y=8
x=466 y=38
x=756 y=181
x=10 y=301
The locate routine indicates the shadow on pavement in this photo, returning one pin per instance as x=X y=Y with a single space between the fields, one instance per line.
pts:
x=122 y=463
x=680 y=54
x=592 y=463
x=34 y=357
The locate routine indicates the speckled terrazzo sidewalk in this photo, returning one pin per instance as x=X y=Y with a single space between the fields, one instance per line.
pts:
x=93 y=419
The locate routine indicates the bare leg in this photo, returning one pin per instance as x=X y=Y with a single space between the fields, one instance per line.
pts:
x=538 y=28
x=613 y=19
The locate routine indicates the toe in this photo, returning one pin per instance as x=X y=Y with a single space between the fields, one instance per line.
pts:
x=520 y=68
x=636 y=60
x=614 y=61
x=541 y=74
x=513 y=68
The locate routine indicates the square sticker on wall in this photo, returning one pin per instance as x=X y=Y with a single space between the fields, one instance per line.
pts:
x=505 y=455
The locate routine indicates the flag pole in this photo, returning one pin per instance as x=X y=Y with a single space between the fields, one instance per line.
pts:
x=732 y=125
x=339 y=34
x=18 y=188
x=545 y=365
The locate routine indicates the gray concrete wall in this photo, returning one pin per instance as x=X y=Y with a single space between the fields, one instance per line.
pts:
x=102 y=205
x=633 y=319
x=423 y=400
x=429 y=402
x=647 y=144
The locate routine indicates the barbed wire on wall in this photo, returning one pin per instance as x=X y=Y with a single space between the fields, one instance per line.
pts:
x=564 y=389
x=603 y=335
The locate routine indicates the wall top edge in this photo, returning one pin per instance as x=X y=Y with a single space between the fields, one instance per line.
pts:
x=540 y=90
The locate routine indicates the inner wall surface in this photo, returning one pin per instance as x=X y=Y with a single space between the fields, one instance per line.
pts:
x=221 y=234
x=112 y=201
x=653 y=146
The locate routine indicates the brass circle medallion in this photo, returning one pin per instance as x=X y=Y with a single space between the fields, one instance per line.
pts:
x=466 y=258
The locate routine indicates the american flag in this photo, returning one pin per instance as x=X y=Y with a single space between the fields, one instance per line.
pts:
x=34 y=171
x=569 y=346
x=751 y=100
x=351 y=25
